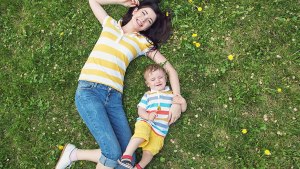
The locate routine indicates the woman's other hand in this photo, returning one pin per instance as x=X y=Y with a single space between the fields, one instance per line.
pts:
x=175 y=113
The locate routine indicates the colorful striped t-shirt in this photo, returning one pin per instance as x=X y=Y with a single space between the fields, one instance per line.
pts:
x=159 y=102
x=112 y=54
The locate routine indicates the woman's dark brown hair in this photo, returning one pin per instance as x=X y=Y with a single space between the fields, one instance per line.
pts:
x=160 y=30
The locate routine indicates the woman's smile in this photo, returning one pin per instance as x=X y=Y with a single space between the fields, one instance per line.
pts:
x=139 y=22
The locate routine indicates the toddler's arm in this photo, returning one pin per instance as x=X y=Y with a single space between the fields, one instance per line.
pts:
x=148 y=116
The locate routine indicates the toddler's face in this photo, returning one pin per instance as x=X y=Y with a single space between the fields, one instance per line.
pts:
x=156 y=80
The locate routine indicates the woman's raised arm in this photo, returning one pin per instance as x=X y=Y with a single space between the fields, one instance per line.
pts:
x=100 y=13
x=157 y=57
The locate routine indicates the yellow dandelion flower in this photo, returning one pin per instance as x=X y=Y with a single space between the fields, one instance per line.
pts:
x=61 y=33
x=244 y=131
x=267 y=152
x=191 y=1
x=279 y=90
x=60 y=147
x=194 y=42
x=194 y=35
x=199 y=9
x=230 y=57
x=167 y=13
x=197 y=44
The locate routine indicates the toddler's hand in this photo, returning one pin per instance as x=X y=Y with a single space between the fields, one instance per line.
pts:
x=152 y=116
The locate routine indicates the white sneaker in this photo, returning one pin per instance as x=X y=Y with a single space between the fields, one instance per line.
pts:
x=64 y=159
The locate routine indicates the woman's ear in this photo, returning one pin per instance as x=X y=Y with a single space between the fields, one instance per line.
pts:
x=135 y=11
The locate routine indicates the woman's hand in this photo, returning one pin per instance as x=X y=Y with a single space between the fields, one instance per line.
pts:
x=130 y=3
x=178 y=99
x=175 y=113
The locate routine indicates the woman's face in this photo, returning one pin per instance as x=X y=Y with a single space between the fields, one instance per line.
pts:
x=143 y=18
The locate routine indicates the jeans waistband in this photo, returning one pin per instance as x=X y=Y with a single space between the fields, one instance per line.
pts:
x=98 y=85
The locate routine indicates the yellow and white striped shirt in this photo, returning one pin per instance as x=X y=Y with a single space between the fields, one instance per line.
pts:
x=114 y=50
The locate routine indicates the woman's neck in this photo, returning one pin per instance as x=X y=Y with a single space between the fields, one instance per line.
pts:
x=128 y=29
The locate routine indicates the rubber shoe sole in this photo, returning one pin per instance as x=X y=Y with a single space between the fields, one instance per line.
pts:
x=64 y=159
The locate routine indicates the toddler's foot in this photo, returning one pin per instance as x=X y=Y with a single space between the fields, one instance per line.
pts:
x=125 y=162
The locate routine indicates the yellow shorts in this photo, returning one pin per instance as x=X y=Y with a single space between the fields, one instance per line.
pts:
x=153 y=142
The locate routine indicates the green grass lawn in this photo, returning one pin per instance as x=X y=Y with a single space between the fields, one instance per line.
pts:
x=44 y=44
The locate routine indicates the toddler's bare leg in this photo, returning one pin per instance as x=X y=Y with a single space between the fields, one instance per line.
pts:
x=146 y=158
x=133 y=145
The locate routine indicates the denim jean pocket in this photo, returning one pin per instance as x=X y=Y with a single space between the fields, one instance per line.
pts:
x=85 y=84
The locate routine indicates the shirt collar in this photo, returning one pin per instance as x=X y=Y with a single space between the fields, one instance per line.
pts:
x=120 y=22
x=167 y=88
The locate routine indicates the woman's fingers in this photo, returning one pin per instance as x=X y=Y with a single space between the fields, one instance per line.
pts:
x=134 y=3
x=175 y=113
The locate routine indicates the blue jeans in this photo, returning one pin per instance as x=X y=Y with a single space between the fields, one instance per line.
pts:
x=101 y=109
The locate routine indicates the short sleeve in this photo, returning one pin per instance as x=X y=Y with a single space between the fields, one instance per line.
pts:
x=105 y=21
x=143 y=102
x=148 y=45
x=109 y=22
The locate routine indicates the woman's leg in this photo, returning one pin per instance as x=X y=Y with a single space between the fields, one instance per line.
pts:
x=118 y=119
x=91 y=104
x=71 y=154
x=91 y=155
x=101 y=166
x=88 y=155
